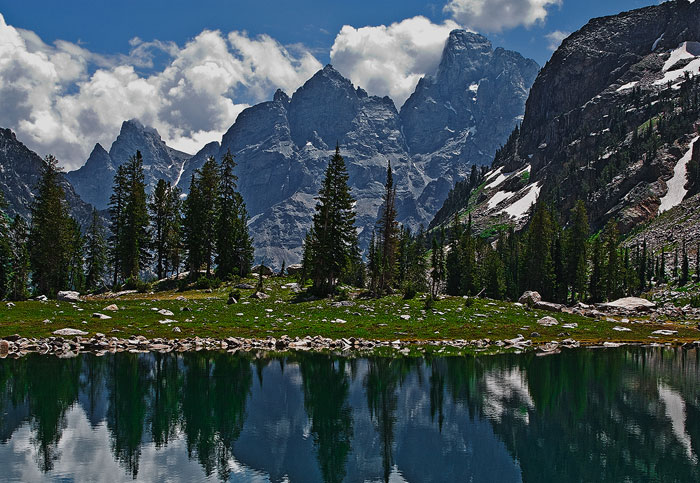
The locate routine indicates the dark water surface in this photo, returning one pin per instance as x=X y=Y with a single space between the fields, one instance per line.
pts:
x=628 y=414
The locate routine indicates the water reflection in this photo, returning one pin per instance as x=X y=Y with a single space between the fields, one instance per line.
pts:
x=590 y=415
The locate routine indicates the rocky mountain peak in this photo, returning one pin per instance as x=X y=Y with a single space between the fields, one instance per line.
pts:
x=281 y=96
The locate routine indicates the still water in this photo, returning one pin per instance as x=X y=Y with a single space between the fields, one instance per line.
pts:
x=628 y=414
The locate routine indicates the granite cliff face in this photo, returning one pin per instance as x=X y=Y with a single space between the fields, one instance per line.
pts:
x=455 y=119
x=20 y=172
x=611 y=119
x=94 y=180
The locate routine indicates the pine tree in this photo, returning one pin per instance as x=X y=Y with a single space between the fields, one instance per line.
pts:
x=539 y=268
x=5 y=249
x=387 y=228
x=334 y=232
x=595 y=286
x=494 y=275
x=96 y=253
x=158 y=207
x=685 y=269
x=135 y=234
x=467 y=263
x=19 y=233
x=454 y=259
x=437 y=262
x=201 y=217
x=117 y=202
x=234 y=245
x=373 y=263
x=75 y=259
x=576 y=250
x=612 y=263
x=173 y=237
x=50 y=235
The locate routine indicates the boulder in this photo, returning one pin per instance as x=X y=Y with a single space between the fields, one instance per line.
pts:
x=260 y=296
x=265 y=270
x=630 y=303
x=68 y=296
x=548 y=306
x=231 y=301
x=548 y=321
x=42 y=298
x=100 y=316
x=68 y=332
x=4 y=347
x=530 y=298
x=244 y=286
x=294 y=269
x=165 y=312
x=112 y=308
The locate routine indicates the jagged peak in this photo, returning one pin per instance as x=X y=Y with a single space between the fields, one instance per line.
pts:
x=281 y=96
x=461 y=38
x=136 y=125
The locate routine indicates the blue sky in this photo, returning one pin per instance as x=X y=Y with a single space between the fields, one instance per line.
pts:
x=71 y=71
x=107 y=26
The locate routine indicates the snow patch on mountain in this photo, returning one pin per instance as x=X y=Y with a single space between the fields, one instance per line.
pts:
x=676 y=185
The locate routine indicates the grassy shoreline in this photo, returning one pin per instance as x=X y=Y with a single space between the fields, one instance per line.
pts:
x=198 y=313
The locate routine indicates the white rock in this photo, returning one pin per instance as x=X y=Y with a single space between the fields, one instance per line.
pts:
x=167 y=321
x=100 y=316
x=165 y=312
x=622 y=329
x=630 y=303
x=68 y=296
x=111 y=308
x=548 y=321
x=665 y=332
x=406 y=317
x=69 y=332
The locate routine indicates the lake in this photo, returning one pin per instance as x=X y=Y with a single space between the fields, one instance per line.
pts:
x=626 y=414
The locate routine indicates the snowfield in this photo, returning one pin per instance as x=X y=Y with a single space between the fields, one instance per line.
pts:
x=676 y=185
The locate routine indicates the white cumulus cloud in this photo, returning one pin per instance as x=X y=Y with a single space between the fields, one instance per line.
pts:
x=62 y=98
x=555 y=39
x=389 y=60
x=496 y=15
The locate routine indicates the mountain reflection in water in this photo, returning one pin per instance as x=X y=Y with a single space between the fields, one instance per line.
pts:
x=584 y=415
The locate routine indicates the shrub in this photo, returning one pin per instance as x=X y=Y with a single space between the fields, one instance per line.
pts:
x=136 y=284
x=236 y=294
x=429 y=303
x=409 y=291
x=469 y=302
x=204 y=283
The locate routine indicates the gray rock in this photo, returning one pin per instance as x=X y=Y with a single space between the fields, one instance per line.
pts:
x=530 y=298
x=260 y=296
x=630 y=303
x=68 y=296
x=68 y=332
x=548 y=321
x=100 y=316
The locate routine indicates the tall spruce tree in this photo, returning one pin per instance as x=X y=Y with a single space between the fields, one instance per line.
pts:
x=234 y=245
x=539 y=266
x=135 y=234
x=454 y=258
x=685 y=268
x=173 y=235
x=334 y=232
x=95 y=253
x=576 y=250
x=388 y=231
x=19 y=233
x=50 y=235
x=5 y=249
x=117 y=202
x=201 y=217
x=158 y=207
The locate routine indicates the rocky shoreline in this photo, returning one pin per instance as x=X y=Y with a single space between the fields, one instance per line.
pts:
x=64 y=347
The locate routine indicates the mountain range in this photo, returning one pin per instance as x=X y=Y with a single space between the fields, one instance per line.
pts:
x=456 y=118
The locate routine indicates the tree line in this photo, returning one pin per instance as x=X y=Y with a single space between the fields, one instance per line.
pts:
x=206 y=233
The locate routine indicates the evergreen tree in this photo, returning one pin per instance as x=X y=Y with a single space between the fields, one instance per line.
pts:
x=467 y=261
x=50 y=234
x=117 y=201
x=5 y=249
x=201 y=217
x=454 y=259
x=234 y=245
x=494 y=275
x=135 y=235
x=75 y=260
x=595 y=286
x=334 y=233
x=539 y=266
x=685 y=269
x=387 y=228
x=173 y=237
x=437 y=262
x=19 y=233
x=158 y=207
x=96 y=253
x=374 y=263
x=576 y=250
x=612 y=261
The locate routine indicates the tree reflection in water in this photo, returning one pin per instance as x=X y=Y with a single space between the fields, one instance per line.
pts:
x=594 y=415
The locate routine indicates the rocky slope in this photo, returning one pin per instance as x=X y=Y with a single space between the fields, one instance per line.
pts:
x=20 y=172
x=94 y=180
x=455 y=119
x=608 y=120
